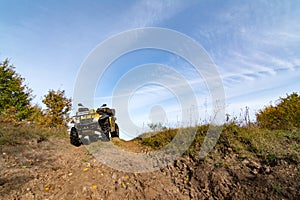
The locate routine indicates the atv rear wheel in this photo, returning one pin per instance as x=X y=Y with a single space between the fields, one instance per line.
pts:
x=116 y=132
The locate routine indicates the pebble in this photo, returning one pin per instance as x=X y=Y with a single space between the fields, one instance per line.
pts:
x=268 y=170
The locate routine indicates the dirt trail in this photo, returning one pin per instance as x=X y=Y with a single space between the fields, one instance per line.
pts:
x=54 y=169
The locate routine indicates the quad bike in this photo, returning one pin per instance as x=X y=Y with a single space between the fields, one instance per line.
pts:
x=90 y=125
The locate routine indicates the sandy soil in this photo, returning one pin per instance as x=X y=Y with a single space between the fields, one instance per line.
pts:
x=54 y=169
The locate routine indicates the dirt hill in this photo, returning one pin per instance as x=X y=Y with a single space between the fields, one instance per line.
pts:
x=54 y=169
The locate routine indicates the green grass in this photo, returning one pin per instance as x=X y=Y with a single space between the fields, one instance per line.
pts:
x=159 y=139
x=247 y=142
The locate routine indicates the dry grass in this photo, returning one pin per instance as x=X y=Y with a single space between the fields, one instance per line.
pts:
x=13 y=134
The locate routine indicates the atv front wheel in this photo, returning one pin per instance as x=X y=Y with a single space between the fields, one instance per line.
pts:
x=107 y=138
x=74 y=137
x=86 y=140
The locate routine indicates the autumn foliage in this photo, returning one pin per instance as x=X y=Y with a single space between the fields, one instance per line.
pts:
x=16 y=106
x=58 y=107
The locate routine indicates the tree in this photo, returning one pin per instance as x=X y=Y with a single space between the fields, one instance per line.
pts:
x=15 y=96
x=58 y=107
x=39 y=117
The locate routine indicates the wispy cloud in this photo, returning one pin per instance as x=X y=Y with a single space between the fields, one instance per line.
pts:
x=253 y=41
x=151 y=13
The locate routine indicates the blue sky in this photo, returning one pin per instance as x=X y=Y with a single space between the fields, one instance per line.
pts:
x=255 y=46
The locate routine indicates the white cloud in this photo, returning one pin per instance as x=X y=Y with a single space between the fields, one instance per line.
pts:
x=150 y=13
x=246 y=28
x=256 y=49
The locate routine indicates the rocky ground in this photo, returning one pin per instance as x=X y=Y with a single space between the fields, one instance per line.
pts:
x=54 y=169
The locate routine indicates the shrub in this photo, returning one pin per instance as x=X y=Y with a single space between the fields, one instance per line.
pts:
x=58 y=107
x=285 y=115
